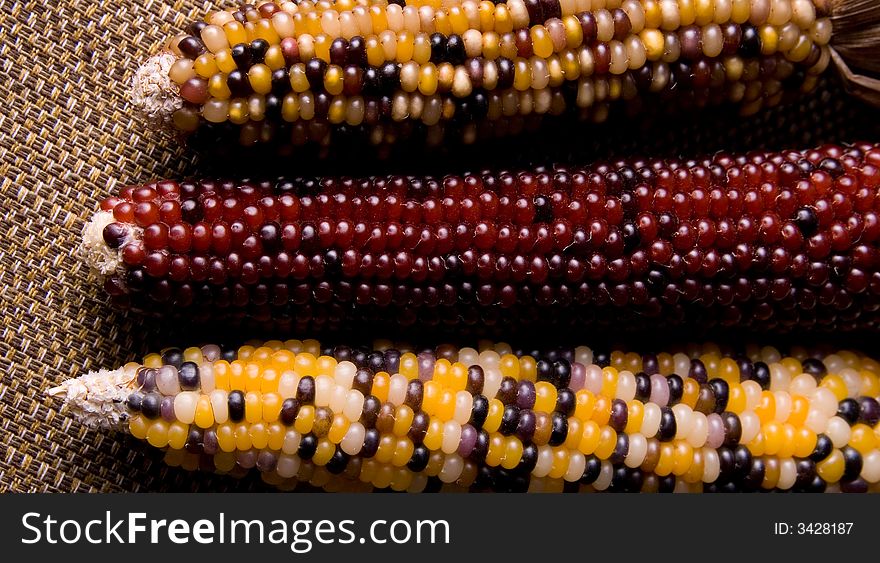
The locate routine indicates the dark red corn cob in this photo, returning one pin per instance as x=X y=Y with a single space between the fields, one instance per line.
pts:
x=767 y=241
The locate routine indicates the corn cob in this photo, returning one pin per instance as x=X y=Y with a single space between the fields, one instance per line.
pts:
x=769 y=241
x=382 y=72
x=699 y=419
x=825 y=116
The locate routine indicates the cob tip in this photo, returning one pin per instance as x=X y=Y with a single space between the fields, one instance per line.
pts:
x=153 y=93
x=97 y=399
x=102 y=259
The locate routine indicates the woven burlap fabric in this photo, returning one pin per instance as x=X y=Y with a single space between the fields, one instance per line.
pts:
x=67 y=139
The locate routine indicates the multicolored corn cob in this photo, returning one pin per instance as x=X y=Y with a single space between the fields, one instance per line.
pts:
x=765 y=241
x=342 y=418
x=380 y=72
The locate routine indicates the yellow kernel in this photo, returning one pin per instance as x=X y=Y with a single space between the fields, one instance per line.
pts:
x=446 y=407
x=375 y=52
x=245 y=352
x=870 y=384
x=253 y=373
x=789 y=437
x=217 y=87
x=305 y=419
x=138 y=426
x=493 y=418
x=276 y=436
x=458 y=377
x=607 y=443
x=434 y=436
x=836 y=385
x=381 y=384
x=271 y=407
x=226 y=437
x=457 y=20
x=513 y=451
x=687 y=12
x=431 y=393
x=561 y=459
x=441 y=22
x=260 y=78
x=769 y=39
x=338 y=428
x=574 y=33
x=800 y=408
x=322 y=47
x=265 y=30
x=528 y=368
x=205 y=67
x=503 y=20
x=602 y=410
x=235 y=33
x=442 y=369
x=290 y=107
x=326 y=365
x=259 y=435
x=653 y=14
x=428 y=79
x=204 y=412
x=574 y=433
x=541 y=42
x=378 y=18
x=333 y=80
x=421 y=49
x=324 y=452
x=683 y=457
x=590 y=436
x=609 y=382
x=862 y=438
x=831 y=468
x=766 y=408
x=691 y=392
x=409 y=365
x=306 y=364
x=495 y=453
x=773 y=437
x=491 y=46
x=336 y=112
x=522 y=75
x=298 y=81
x=157 y=434
x=403 y=451
x=403 y=420
x=221 y=375
x=736 y=402
x=153 y=361
x=666 y=462
x=509 y=366
x=585 y=402
x=804 y=442
x=224 y=61
x=545 y=397
x=274 y=58
x=635 y=414
x=405 y=47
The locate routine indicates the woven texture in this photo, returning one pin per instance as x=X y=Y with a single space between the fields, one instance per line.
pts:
x=68 y=139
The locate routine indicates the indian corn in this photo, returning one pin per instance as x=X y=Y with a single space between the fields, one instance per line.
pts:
x=765 y=240
x=379 y=72
x=410 y=419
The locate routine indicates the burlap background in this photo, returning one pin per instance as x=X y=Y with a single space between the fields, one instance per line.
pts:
x=68 y=139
